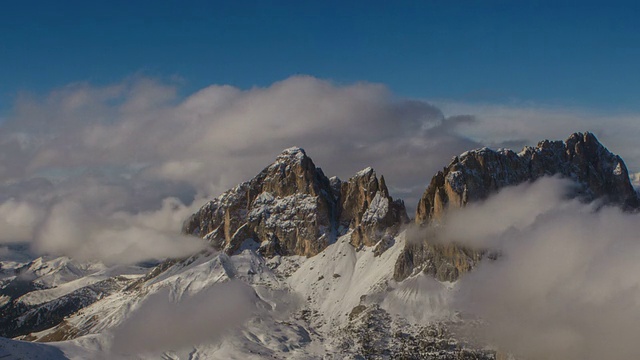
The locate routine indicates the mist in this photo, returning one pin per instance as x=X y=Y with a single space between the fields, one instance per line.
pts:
x=565 y=285
x=160 y=324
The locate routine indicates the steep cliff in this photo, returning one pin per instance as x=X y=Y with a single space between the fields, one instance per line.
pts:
x=476 y=174
x=292 y=208
x=368 y=209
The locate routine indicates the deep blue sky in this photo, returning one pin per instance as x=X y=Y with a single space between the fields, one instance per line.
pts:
x=488 y=51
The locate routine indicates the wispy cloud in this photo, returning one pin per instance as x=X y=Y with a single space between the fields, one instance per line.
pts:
x=160 y=324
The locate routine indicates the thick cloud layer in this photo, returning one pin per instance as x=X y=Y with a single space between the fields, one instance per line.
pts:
x=73 y=230
x=113 y=155
x=106 y=172
x=220 y=135
x=566 y=285
x=483 y=224
x=94 y=218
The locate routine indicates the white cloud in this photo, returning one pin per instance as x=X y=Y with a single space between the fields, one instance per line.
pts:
x=18 y=220
x=514 y=208
x=221 y=135
x=566 y=283
x=73 y=230
x=117 y=151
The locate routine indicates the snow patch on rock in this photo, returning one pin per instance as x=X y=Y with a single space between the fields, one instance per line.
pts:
x=456 y=181
x=284 y=213
x=618 y=169
x=377 y=210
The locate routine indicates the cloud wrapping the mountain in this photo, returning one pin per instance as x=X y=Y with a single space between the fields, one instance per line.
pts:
x=565 y=285
x=122 y=149
x=483 y=224
x=18 y=220
x=73 y=230
x=88 y=161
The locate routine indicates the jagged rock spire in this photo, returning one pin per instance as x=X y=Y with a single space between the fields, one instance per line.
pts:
x=292 y=208
x=476 y=174
x=367 y=208
x=288 y=207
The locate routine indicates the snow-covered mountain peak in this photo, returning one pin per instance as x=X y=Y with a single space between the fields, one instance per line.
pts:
x=365 y=172
x=293 y=152
x=476 y=174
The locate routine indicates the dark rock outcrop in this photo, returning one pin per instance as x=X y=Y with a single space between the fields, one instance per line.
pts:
x=292 y=208
x=476 y=174
x=370 y=334
x=443 y=262
x=18 y=318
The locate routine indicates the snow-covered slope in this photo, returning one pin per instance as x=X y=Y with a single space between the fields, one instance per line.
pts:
x=254 y=294
x=318 y=307
x=252 y=299
x=67 y=350
x=180 y=281
x=40 y=293
x=340 y=278
x=45 y=295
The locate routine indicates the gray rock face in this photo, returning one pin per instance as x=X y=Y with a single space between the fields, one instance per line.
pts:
x=289 y=205
x=367 y=208
x=476 y=174
x=292 y=208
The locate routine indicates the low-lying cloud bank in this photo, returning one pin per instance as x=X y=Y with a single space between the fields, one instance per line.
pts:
x=165 y=321
x=90 y=170
x=566 y=285
x=160 y=324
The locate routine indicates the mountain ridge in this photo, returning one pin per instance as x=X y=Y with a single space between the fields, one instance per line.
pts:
x=476 y=174
x=339 y=250
x=292 y=208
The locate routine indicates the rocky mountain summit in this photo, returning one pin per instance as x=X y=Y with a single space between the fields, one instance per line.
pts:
x=329 y=268
x=292 y=208
x=476 y=174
